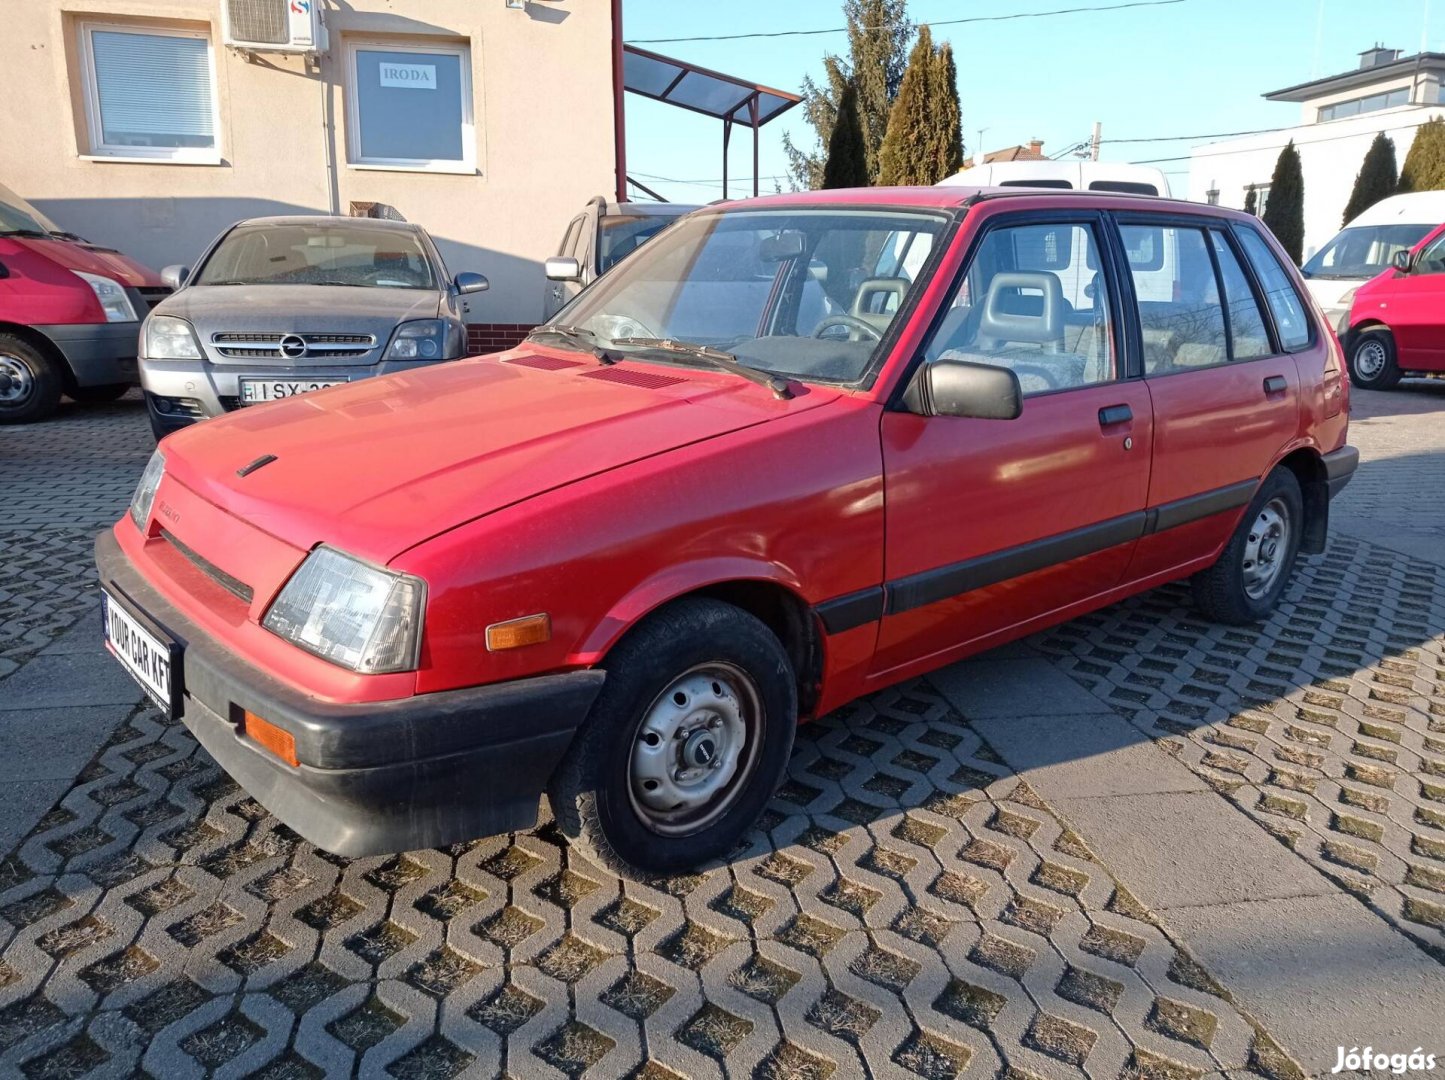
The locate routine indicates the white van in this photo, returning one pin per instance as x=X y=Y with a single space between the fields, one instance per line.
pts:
x=1365 y=247
x=1072 y=175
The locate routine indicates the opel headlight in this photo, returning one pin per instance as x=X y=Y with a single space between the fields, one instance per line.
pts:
x=169 y=338
x=351 y=613
x=145 y=491
x=424 y=339
x=112 y=296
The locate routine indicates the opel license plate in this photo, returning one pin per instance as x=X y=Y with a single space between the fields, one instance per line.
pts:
x=255 y=391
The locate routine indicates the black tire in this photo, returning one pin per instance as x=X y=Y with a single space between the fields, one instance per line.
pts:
x=1226 y=592
x=99 y=395
x=1374 y=352
x=594 y=799
x=29 y=382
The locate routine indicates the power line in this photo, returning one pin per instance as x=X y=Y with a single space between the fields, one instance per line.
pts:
x=1255 y=149
x=940 y=22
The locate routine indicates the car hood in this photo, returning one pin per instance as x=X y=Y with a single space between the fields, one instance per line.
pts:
x=1328 y=292
x=317 y=308
x=378 y=466
x=93 y=260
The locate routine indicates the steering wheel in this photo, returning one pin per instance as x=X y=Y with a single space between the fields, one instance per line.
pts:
x=856 y=327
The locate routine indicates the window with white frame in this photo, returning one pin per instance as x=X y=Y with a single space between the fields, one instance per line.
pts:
x=410 y=106
x=149 y=92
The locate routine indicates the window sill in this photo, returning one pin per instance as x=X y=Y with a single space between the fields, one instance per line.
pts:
x=129 y=160
x=449 y=170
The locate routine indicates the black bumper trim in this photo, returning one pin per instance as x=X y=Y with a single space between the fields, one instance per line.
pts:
x=1340 y=466
x=381 y=776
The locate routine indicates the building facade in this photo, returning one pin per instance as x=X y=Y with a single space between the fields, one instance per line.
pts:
x=490 y=122
x=1339 y=116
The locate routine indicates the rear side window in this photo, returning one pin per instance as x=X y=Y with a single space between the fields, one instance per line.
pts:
x=1181 y=316
x=1289 y=311
x=1248 y=339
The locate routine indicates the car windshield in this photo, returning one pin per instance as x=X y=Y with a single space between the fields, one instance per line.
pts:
x=1363 y=251
x=621 y=234
x=340 y=254
x=807 y=293
x=18 y=216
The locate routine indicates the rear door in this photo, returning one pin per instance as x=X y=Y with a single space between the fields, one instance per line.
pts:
x=1413 y=307
x=1226 y=394
x=992 y=523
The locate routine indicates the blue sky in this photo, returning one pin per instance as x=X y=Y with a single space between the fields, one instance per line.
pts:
x=1193 y=67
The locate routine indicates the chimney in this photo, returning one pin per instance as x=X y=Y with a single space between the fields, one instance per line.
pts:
x=1374 y=57
x=1036 y=146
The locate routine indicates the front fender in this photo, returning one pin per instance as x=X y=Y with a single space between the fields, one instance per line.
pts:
x=669 y=584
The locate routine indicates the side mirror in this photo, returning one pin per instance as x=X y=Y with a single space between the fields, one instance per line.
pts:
x=175 y=275
x=1403 y=261
x=562 y=268
x=467 y=282
x=958 y=388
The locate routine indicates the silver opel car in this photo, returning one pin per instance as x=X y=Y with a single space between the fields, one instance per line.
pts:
x=286 y=305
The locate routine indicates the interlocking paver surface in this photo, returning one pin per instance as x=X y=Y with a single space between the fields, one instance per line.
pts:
x=908 y=907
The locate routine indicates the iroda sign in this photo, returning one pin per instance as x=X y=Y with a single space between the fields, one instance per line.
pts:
x=409 y=76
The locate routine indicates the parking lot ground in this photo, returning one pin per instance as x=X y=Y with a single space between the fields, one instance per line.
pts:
x=1138 y=845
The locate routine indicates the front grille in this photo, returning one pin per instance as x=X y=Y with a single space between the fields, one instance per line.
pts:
x=235 y=586
x=153 y=294
x=266 y=345
x=229 y=403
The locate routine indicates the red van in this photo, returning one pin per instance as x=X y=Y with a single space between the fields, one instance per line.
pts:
x=788 y=452
x=70 y=315
x=1397 y=318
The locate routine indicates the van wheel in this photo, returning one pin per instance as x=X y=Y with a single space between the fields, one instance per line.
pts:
x=684 y=746
x=29 y=382
x=1245 y=584
x=1372 y=361
x=99 y=395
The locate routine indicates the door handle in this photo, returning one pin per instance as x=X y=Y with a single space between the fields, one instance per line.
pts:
x=1110 y=415
x=1276 y=384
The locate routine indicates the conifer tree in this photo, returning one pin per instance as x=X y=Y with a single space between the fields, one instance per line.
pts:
x=1284 y=210
x=909 y=147
x=847 y=162
x=1376 y=179
x=1424 y=168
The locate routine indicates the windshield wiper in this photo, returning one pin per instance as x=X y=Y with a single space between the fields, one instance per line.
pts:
x=723 y=361
x=578 y=336
x=33 y=234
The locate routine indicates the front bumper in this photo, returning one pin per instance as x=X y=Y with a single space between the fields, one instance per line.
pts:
x=374 y=777
x=1340 y=466
x=97 y=353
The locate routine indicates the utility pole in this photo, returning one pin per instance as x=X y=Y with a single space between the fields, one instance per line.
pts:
x=1094 y=141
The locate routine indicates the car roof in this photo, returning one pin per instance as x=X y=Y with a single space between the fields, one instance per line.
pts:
x=652 y=209
x=955 y=196
x=333 y=219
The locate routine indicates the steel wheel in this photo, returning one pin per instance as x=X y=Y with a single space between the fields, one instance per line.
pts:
x=695 y=749
x=17 y=381
x=1370 y=359
x=1266 y=547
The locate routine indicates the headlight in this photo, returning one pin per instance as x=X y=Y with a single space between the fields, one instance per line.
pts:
x=425 y=339
x=353 y=614
x=112 y=296
x=145 y=491
x=169 y=338
x=1348 y=299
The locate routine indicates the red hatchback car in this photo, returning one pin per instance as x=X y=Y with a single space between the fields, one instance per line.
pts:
x=1397 y=318
x=789 y=452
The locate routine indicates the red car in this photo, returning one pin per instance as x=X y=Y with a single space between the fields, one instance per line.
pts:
x=793 y=450
x=1397 y=318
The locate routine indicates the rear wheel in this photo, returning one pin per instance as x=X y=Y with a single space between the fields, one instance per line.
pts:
x=29 y=382
x=1373 y=364
x=99 y=395
x=1245 y=584
x=685 y=745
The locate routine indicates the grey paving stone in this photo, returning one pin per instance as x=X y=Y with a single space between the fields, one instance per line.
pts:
x=22 y=804
x=84 y=638
x=43 y=744
x=1085 y=755
x=1189 y=848
x=1027 y=687
x=1320 y=972
x=58 y=681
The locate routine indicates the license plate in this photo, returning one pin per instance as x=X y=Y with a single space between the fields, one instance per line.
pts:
x=151 y=660
x=255 y=391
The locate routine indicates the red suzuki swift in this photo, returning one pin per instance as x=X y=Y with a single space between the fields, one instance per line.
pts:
x=791 y=451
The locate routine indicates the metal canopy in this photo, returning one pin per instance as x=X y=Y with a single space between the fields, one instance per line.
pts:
x=732 y=100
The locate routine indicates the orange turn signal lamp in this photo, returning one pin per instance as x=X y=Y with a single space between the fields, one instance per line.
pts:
x=269 y=737
x=515 y=633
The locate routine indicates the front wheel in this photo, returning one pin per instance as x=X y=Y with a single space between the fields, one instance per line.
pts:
x=685 y=744
x=29 y=382
x=1245 y=584
x=1373 y=363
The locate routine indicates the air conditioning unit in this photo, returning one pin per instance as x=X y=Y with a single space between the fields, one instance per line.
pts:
x=282 y=26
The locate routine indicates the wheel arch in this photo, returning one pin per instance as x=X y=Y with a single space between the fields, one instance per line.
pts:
x=46 y=347
x=1308 y=467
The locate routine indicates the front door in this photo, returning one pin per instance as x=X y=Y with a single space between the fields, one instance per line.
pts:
x=991 y=523
x=1226 y=393
x=1413 y=307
